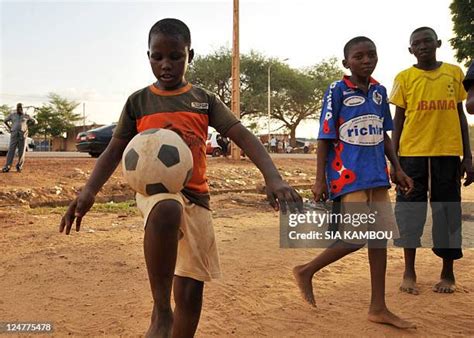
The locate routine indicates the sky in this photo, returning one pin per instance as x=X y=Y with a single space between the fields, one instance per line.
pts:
x=94 y=52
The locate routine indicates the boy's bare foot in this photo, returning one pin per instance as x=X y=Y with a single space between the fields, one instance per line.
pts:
x=304 y=284
x=409 y=286
x=445 y=286
x=161 y=325
x=387 y=317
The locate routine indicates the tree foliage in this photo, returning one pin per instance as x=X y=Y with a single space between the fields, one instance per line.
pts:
x=301 y=93
x=55 y=117
x=4 y=111
x=296 y=94
x=463 y=25
x=213 y=72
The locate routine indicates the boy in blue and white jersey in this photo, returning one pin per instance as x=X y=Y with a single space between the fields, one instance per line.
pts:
x=351 y=167
x=357 y=122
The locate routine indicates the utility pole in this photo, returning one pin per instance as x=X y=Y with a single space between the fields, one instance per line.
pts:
x=235 y=102
x=83 y=116
x=269 y=110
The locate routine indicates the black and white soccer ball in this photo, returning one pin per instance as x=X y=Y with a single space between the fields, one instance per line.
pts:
x=157 y=161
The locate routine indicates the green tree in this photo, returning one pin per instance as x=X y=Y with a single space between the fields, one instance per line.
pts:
x=4 y=111
x=300 y=93
x=213 y=72
x=48 y=123
x=296 y=95
x=462 y=12
x=55 y=117
x=65 y=109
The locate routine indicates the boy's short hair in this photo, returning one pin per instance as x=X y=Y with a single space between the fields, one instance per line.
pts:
x=172 y=27
x=424 y=28
x=354 y=41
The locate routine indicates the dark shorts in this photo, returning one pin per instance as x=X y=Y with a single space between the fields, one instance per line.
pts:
x=440 y=177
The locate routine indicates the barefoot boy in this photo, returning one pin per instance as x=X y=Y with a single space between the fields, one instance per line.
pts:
x=430 y=134
x=351 y=161
x=171 y=102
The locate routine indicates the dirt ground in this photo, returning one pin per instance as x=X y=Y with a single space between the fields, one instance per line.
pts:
x=94 y=282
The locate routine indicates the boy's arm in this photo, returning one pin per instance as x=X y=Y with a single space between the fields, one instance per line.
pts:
x=104 y=168
x=397 y=174
x=466 y=164
x=279 y=192
x=470 y=100
x=398 y=122
x=320 y=188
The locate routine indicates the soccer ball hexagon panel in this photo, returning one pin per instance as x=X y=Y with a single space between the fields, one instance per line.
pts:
x=157 y=161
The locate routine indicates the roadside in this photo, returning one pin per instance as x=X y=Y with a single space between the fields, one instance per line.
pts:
x=94 y=282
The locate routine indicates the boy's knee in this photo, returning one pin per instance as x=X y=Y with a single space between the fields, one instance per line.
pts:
x=165 y=215
x=377 y=243
x=189 y=293
x=190 y=298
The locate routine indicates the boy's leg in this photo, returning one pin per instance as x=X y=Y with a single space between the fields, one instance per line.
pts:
x=410 y=213
x=447 y=282
x=304 y=273
x=198 y=261
x=409 y=275
x=378 y=311
x=354 y=202
x=188 y=299
x=160 y=247
x=446 y=209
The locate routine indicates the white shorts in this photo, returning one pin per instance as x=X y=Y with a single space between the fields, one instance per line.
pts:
x=197 y=248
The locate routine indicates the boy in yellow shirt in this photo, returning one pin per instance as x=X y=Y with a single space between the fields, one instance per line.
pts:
x=430 y=134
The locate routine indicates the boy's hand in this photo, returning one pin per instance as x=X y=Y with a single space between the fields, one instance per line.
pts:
x=76 y=210
x=467 y=170
x=280 y=194
x=402 y=180
x=320 y=191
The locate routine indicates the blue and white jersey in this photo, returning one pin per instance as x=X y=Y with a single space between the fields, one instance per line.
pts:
x=356 y=122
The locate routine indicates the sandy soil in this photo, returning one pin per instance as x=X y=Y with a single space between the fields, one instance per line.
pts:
x=94 y=282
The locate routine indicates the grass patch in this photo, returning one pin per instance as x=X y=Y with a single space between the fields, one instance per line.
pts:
x=128 y=207
x=47 y=210
x=306 y=193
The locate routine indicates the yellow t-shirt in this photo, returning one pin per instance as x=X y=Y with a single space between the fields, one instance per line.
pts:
x=430 y=99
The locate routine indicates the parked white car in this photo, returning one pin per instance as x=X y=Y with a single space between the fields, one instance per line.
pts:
x=5 y=142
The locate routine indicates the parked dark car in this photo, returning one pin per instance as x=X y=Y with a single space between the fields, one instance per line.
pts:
x=95 y=141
